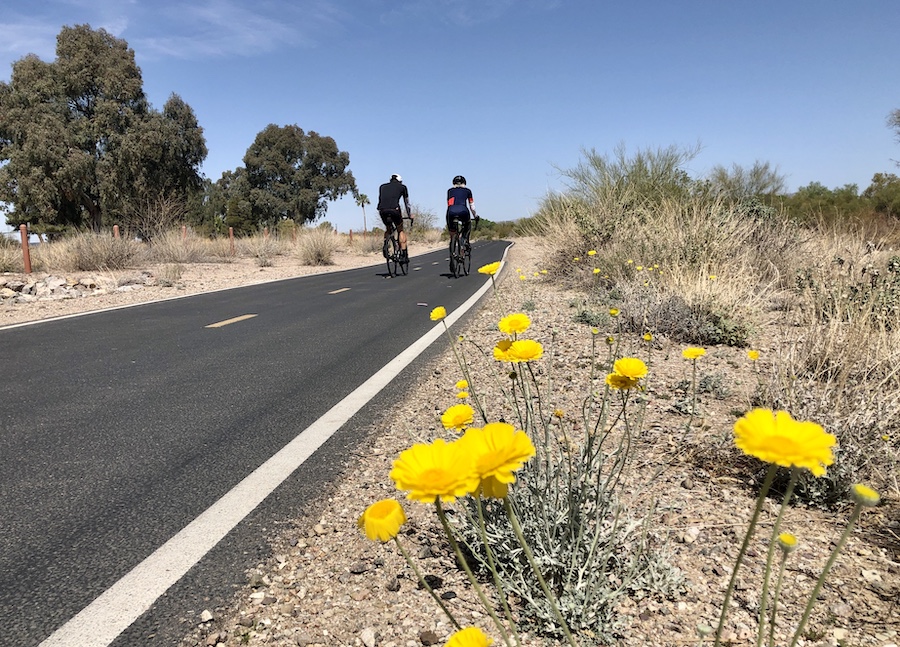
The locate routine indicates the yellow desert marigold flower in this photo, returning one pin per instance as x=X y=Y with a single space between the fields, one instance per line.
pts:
x=775 y=437
x=469 y=637
x=462 y=395
x=693 y=352
x=438 y=313
x=458 y=416
x=753 y=355
x=543 y=271
x=787 y=542
x=462 y=384
x=621 y=382
x=613 y=312
x=630 y=367
x=865 y=495
x=647 y=337
x=381 y=521
x=596 y=270
x=499 y=449
x=592 y=252
x=440 y=470
x=501 y=350
x=490 y=268
x=525 y=350
x=514 y=323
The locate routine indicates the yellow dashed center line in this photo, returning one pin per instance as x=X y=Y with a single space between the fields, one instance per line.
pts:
x=229 y=321
x=338 y=291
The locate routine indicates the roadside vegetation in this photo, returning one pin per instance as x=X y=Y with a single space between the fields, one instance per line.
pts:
x=546 y=522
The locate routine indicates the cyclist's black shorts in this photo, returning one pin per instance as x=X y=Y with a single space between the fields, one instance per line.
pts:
x=392 y=217
x=463 y=217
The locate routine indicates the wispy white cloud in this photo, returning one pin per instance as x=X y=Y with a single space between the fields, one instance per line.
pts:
x=221 y=28
x=461 y=12
x=171 y=28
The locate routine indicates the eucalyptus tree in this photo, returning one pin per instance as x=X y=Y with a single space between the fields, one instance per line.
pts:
x=81 y=142
x=292 y=174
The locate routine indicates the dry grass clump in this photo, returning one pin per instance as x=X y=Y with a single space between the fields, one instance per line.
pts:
x=317 y=246
x=175 y=247
x=637 y=236
x=368 y=243
x=10 y=255
x=86 y=252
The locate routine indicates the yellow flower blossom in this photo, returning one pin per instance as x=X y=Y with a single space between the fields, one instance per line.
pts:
x=515 y=323
x=462 y=384
x=787 y=542
x=469 y=637
x=499 y=449
x=592 y=252
x=381 y=521
x=458 y=416
x=613 y=312
x=525 y=350
x=501 y=350
x=647 y=337
x=462 y=395
x=753 y=355
x=693 y=352
x=490 y=268
x=438 y=313
x=775 y=437
x=865 y=495
x=618 y=381
x=440 y=470
x=630 y=367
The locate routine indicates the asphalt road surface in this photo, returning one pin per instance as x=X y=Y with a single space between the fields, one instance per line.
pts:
x=119 y=428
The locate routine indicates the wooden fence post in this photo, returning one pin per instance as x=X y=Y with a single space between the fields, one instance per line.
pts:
x=26 y=253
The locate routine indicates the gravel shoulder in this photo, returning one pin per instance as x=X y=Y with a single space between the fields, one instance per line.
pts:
x=325 y=584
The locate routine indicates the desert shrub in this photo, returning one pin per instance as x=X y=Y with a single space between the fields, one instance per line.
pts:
x=368 y=243
x=86 y=252
x=317 y=247
x=10 y=257
x=174 y=247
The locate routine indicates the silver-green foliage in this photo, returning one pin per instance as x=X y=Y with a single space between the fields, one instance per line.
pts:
x=591 y=547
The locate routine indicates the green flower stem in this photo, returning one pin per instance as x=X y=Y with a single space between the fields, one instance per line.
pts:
x=773 y=540
x=413 y=566
x=537 y=572
x=821 y=581
x=464 y=368
x=494 y=572
x=770 y=476
x=693 y=390
x=462 y=560
x=775 y=597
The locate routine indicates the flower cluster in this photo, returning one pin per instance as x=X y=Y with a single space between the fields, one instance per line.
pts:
x=627 y=373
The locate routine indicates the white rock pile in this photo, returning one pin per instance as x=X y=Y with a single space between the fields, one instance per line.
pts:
x=16 y=289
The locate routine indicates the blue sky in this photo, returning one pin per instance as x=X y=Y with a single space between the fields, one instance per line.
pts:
x=509 y=92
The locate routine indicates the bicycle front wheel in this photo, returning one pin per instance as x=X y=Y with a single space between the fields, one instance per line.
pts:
x=404 y=261
x=392 y=251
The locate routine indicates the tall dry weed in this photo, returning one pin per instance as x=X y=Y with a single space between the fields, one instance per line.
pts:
x=85 y=252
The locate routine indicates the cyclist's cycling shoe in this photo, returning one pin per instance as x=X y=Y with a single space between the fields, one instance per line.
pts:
x=404 y=255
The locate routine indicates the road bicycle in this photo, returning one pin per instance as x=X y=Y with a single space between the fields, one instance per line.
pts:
x=397 y=259
x=460 y=249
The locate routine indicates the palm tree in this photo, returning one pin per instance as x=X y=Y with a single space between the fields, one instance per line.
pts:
x=361 y=201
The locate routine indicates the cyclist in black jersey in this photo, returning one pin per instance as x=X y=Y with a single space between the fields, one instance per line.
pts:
x=389 y=195
x=459 y=203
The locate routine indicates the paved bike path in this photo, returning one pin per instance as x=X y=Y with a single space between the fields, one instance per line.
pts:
x=120 y=428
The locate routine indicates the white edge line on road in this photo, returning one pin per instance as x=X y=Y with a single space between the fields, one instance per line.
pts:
x=99 y=623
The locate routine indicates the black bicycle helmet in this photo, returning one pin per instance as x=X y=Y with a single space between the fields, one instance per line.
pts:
x=459 y=179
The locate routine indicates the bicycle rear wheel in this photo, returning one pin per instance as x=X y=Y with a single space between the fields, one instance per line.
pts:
x=392 y=254
x=467 y=259
x=454 y=254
